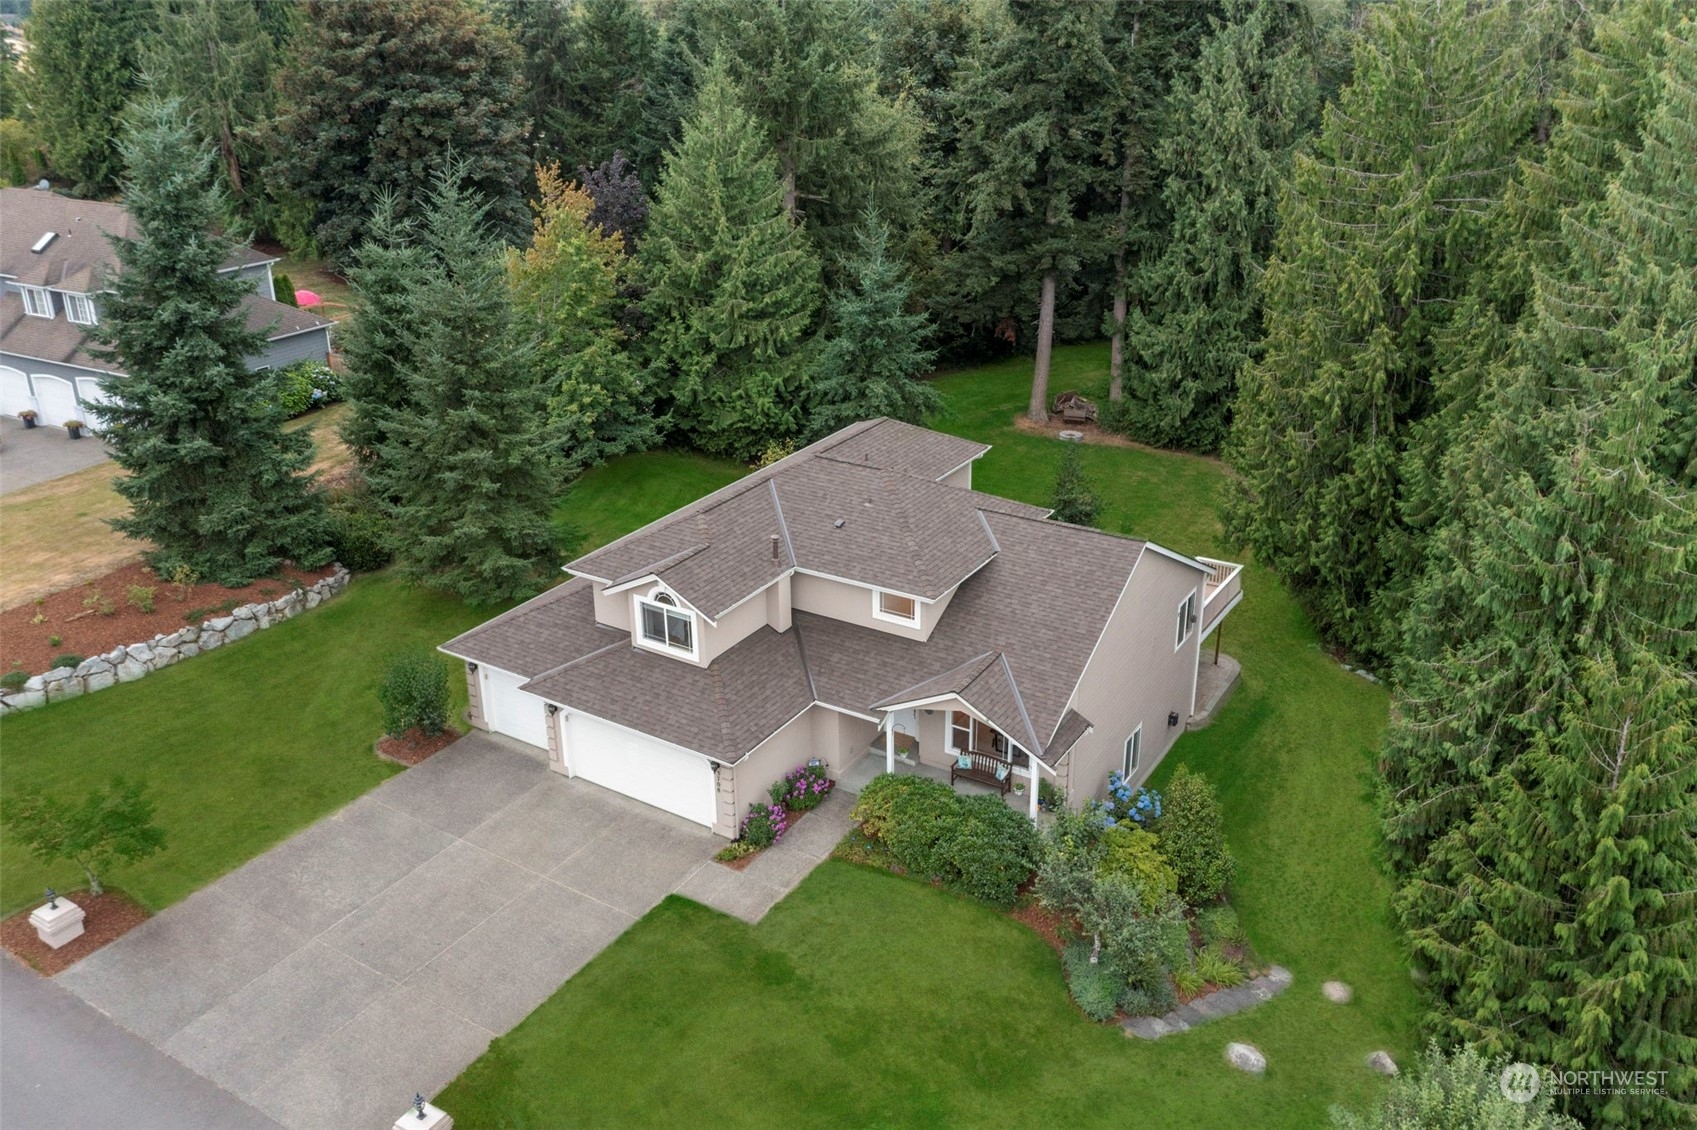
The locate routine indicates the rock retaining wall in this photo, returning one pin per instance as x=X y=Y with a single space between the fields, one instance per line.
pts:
x=138 y=660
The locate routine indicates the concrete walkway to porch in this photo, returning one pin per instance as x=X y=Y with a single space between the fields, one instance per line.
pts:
x=379 y=951
x=748 y=894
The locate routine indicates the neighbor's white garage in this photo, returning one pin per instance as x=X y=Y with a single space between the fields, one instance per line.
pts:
x=640 y=767
x=15 y=394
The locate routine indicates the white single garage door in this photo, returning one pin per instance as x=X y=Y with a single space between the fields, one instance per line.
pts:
x=641 y=768
x=57 y=398
x=15 y=396
x=508 y=710
x=90 y=391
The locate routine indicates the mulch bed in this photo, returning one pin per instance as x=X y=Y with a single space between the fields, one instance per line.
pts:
x=1043 y=922
x=414 y=745
x=742 y=863
x=78 y=616
x=110 y=916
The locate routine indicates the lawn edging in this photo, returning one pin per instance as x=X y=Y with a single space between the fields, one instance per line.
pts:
x=129 y=662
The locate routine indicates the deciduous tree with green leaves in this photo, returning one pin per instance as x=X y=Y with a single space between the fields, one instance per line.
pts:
x=468 y=468
x=82 y=72
x=733 y=286
x=382 y=94
x=213 y=481
x=113 y=823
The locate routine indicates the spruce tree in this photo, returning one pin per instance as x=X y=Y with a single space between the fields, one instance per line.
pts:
x=468 y=470
x=567 y=286
x=1231 y=127
x=1036 y=105
x=380 y=341
x=1379 y=234
x=875 y=351
x=607 y=100
x=212 y=479
x=382 y=95
x=82 y=72
x=733 y=286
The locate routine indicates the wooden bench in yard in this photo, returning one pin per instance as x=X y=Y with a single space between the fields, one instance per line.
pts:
x=986 y=769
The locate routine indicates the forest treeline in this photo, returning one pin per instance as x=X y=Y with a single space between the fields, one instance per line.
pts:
x=1424 y=273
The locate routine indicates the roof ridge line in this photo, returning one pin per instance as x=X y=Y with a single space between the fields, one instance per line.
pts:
x=570 y=663
x=988 y=657
x=783 y=524
x=1019 y=701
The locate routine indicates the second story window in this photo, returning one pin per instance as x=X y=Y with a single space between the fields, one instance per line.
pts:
x=1186 y=620
x=79 y=308
x=895 y=607
x=665 y=625
x=38 y=302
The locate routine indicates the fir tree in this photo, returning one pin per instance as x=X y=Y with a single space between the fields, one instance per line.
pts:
x=607 y=99
x=567 y=285
x=380 y=342
x=212 y=479
x=382 y=95
x=875 y=351
x=469 y=470
x=1225 y=155
x=1036 y=109
x=82 y=72
x=1378 y=236
x=1075 y=499
x=733 y=285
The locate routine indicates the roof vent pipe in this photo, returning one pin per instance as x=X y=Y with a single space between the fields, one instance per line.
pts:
x=774 y=547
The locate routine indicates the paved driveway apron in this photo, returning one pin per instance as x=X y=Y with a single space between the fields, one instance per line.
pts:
x=378 y=952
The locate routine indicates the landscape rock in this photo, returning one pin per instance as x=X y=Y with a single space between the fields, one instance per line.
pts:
x=164 y=657
x=1246 y=1057
x=189 y=650
x=262 y=616
x=130 y=670
x=313 y=597
x=26 y=699
x=188 y=635
x=116 y=655
x=241 y=629
x=1337 y=992
x=246 y=612
x=64 y=688
x=141 y=652
x=100 y=680
x=220 y=624
x=211 y=639
x=1382 y=1062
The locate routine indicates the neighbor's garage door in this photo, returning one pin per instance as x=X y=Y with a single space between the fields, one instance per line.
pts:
x=15 y=397
x=90 y=391
x=57 y=398
x=513 y=712
x=641 y=768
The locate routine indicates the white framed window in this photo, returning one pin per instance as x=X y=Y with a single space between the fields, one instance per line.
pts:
x=895 y=607
x=38 y=302
x=662 y=625
x=1133 y=752
x=1186 y=619
x=79 y=308
x=960 y=730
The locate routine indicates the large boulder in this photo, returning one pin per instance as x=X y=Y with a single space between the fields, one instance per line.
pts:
x=1246 y=1057
x=132 y=669
x=1382 y=1062
x=1337 y=992
x=241 y=629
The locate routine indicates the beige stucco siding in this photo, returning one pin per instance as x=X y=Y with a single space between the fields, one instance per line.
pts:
x=853 y=604
x=612 y=610
x=733 y=627
x=960 y=477
x=1136 y=676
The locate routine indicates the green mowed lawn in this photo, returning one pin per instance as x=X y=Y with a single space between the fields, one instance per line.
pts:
x=240 y=747
x=869 y=1000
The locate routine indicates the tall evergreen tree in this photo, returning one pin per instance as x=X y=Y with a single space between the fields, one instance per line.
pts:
x=1036 y=107
x=1231 y=128
x=805 y=72
x=82 y=72
x=468 y=469
x=567 y=285
x=212 y=479
x=733 y=285
x=1378 y=237
x=380 y=341
x=217 y=57
x=875 y=353
x=382 y=94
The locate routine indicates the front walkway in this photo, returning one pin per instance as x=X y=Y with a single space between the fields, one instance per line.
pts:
x=35 y=455
x=379 y=951
x=750 y=893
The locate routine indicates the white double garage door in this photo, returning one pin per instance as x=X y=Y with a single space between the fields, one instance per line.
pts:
x=642 y=768
x=53 y=399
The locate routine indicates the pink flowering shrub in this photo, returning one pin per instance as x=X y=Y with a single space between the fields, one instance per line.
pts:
x=764 y=825
x=803 y=789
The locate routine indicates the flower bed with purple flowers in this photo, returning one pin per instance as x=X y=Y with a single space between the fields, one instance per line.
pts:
x=799 y=791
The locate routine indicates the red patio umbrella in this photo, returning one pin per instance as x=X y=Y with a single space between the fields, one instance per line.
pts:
x=305 y=298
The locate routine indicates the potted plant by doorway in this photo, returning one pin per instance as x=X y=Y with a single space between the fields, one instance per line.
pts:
x=28 y=417
x=75 y=428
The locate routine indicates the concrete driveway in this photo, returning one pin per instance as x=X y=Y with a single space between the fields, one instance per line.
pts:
x=34 y=455
x=378 y=952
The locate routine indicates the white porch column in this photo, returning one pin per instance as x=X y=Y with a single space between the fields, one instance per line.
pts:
x=1036 y=783
x=889 y=743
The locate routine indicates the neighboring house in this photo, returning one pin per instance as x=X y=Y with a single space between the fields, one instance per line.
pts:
x=855 y=599
x=55 y=265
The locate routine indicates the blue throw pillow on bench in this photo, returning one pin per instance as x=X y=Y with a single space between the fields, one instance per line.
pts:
x=963 y=760
x=1001 y=772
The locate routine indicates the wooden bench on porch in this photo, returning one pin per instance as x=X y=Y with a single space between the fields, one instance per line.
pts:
x=985 y=769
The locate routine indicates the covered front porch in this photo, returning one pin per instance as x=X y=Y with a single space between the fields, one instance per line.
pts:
x=952 y=744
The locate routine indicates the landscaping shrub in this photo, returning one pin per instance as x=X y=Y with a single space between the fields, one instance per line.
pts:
x=764 y=825
x=306 y=385
x=414 y=692
x=285 y=288
x=1051 y=796
x=802 y=789
x=877 y=801
x=1075 y=835
x=1098 y=987
x=987 y=849
x=140 y=597
x=1215 y=967
x=1458 y=1090
x=1193 y=837
x=360 y=537
x=1140 y=805
x=1075 y=499
x=66 y=660
x=1219 y=925
x=1142 y=944
x=1187 y=980
x=1134 y=853
x=922 y=813
x=14 y=680
x=734 y=851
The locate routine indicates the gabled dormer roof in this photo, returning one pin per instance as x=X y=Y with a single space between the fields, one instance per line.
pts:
x=864 y=504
